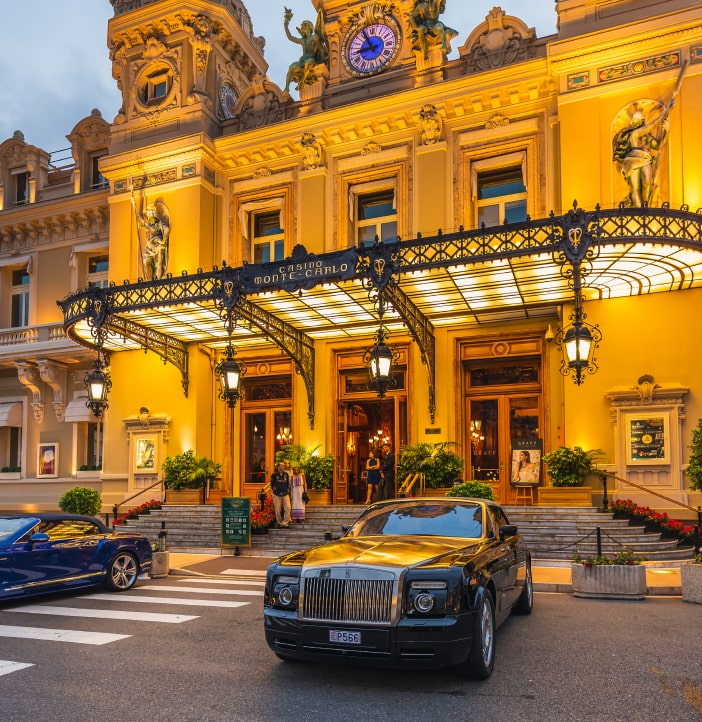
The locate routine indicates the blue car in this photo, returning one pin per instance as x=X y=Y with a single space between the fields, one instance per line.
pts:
x=42 y=553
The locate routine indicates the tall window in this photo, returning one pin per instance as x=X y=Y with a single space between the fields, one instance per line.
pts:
x=10 y=447
x=267 y=237
x=376 y=215
x=20 y=298
x=97 y=179
x=501 y=196
x=93 y=448
x=21 y=183
x=97 y=271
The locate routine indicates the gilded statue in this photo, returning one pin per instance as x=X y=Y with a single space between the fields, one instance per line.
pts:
x=637 y=146
x=315 y=49
x=155 y=219
x=426 y=30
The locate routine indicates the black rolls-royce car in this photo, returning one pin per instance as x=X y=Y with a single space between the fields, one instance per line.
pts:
x=414 y=583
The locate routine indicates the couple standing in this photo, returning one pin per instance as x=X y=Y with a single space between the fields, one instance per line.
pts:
x=289 y=491
x=381 y=475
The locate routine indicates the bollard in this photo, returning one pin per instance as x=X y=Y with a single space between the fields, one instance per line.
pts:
x=162 y=537
x=605 y=499
x=599 y=542
x=327 y=536
x=262 y=498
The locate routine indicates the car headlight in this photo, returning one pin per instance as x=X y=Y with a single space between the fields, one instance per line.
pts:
x=427 y=597
x=286 y=591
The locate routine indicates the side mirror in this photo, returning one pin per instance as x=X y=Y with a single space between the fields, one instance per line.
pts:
x=507 y=530
x=38 y=537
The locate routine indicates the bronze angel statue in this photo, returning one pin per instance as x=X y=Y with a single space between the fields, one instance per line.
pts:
x=315 y=49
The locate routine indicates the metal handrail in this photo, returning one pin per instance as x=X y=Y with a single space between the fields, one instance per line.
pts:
x=409 y=482
x=695 y=510
x=133 y=496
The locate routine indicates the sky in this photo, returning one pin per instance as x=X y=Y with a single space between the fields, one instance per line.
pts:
x=55 y=66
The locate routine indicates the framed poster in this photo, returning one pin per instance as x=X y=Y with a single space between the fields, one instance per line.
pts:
x=145 y=461
x=47 y=461
x=525 y=468
x=648 y=438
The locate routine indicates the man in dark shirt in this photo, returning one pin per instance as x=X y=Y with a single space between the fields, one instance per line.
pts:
x=387 y=473
x=280 y=486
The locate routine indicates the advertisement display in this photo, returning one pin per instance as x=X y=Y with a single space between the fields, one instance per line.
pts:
x=236 y=521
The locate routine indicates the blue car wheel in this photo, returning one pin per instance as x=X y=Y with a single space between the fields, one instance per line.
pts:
x=122 y=572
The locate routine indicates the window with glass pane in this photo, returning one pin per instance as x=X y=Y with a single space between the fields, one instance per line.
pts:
x=501 y=196
x=21 y=188
x=376 y=216
x=255 y=448
x=268 y=237
x=10 y=447
x=484 y=440
x=94 y=445
x=20 y=299
x=97 y=179
x=97 y=270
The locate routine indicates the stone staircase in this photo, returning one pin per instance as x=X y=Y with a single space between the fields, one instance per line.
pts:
x=550 y=532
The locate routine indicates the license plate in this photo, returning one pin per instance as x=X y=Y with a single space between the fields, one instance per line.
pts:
x=342 y=637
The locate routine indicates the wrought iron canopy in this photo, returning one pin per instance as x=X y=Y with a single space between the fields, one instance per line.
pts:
x=510 y=272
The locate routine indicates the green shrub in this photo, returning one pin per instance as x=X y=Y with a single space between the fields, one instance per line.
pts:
x=694 y=469
x=188 y=471
x=81 y=500
x=318 y=470
x=474 y=489
x=569 y=466
x=439 y=464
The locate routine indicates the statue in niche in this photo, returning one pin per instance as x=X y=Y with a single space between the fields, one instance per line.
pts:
x=636 y=147
x=426 y=30
x=155 y=220
x=315 y=49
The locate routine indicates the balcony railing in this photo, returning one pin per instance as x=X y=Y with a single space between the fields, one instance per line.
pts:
x=47 y=333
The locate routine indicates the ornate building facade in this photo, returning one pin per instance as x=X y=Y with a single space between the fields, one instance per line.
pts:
x=470 y=212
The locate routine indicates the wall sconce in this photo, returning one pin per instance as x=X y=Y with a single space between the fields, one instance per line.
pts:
x=98 y=383
x=230 y=372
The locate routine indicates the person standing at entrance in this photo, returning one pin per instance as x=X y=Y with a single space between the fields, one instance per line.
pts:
x=373 y=476
x=298 y=493
x=280 y=486
x=387 y=472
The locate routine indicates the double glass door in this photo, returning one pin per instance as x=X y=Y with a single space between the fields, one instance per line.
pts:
x=497 y=427
x=265 y=432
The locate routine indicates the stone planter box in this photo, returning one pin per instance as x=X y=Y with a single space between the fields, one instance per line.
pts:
x=565 y=496
x=616 y=581
x=160 y=565
x=10 y=475
x=691 y=581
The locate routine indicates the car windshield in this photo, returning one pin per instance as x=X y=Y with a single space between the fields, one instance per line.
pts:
x=10 y=527
x=422 y=518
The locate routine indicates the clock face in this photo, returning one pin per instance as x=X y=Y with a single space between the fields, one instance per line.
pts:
x=227 y=99
x=370 y=49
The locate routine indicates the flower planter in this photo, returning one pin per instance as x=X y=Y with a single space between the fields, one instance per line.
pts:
x=184 y=497
x=160 y=565
x=259 y=531
x=691 y=581
x=10 y=475
x=605 y=581
x=565 y=496
x=320 y=497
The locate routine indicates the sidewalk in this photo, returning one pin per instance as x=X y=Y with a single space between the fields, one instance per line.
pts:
x=549 y=576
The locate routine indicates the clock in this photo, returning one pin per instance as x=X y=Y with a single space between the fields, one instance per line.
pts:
x=227 y=100
x=369 y=49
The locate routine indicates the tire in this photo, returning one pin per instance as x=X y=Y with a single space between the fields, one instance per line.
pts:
x=525 y=603
x=121 y=573
x=482 y=652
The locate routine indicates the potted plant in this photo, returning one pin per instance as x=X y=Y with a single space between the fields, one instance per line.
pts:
x=262 y=519
x=438 y=462
x=160 y=562
x=81 y=500
x=473 y=489
x=691 y=580
x=621 y=576
x=186 y=476
x=10 y=472
x=568 y=468
x=694 y=467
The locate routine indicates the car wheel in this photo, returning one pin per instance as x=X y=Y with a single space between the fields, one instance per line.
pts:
x=122 y=572
x=482 y=652
x=525 y=603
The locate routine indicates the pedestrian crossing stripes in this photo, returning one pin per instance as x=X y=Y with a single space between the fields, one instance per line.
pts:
x=8 y=667
x=211 y=593
x=60 y=635
x=129 y=615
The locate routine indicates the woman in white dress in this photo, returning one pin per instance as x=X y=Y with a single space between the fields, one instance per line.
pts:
x=298 y=487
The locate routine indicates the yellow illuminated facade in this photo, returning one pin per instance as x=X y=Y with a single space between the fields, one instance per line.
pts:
x=210 y=165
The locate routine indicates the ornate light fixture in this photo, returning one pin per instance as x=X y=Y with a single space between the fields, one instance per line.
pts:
x=379 y=359
x=284 y=435
x=578 y=340
x=229 y=371
x=98 y=383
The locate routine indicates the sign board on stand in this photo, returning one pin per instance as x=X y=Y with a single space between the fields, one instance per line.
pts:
x=236 y=522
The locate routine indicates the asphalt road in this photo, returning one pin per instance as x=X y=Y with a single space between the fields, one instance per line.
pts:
x=572 y=659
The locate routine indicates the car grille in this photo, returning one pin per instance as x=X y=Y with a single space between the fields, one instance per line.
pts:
x=348 y=600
